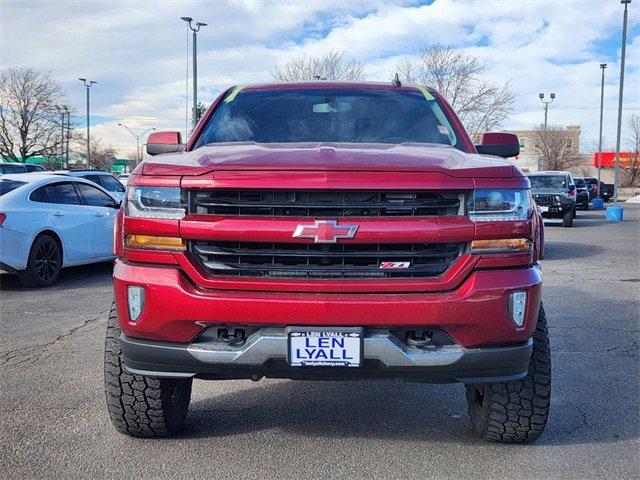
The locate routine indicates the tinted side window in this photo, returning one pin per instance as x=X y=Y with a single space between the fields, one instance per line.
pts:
x=111 y=184
x=8 y=185
x=94 y=197
x=61 y=193
x=7 y=169
x=92 y=178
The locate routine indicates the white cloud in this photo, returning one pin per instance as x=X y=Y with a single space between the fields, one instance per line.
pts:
x=137 y=50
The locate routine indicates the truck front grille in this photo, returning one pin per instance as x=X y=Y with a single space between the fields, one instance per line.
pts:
x=299 y=260
x=542 y=199
x=319 y=203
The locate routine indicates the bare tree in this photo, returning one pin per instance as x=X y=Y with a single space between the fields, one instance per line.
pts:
x=632 y=165
x=555 y=147
x=330 y=66
x=30 y=124
x=102 y=154
x=481 y=106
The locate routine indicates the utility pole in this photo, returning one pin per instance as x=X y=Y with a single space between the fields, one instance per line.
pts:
x=602 y=67
x=546 y=114
x=61 y=111
x=195 y=28
x=137 y=137
x=88 y=84
x=68 y=138
x=616 y=177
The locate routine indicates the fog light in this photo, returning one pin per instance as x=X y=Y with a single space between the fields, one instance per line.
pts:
x=135 y=299
x=517 y=307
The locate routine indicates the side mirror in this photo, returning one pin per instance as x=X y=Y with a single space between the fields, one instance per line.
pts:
x=499 y=144
x=164 y=142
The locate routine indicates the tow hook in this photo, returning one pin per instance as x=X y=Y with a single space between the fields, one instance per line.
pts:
x=421 y=339
x=231 y=336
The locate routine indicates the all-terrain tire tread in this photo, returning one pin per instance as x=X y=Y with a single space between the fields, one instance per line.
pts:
x=138 y=405
x=517 y=411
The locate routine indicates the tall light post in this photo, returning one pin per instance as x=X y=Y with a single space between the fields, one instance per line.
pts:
x=195 y=28
x=602 y=67
x=618 y=134
x=62 y=111
x=137 y=137
x=546 y=115
x=88 y=84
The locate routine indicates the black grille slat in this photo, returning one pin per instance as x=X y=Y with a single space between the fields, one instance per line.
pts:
x=282 y=203
x=219 y=251
x=545 y=199
x=302 y=260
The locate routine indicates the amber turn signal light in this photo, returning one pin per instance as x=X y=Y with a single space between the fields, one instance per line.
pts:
x=155 y=243
x=502 y=245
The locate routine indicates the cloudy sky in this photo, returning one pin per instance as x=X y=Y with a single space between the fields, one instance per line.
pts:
x=137 y=50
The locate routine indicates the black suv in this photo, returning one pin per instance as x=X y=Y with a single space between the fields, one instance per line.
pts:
x=555 y=195
x=582 y=193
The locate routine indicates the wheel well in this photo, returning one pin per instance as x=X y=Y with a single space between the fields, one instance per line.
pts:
x=55 y=236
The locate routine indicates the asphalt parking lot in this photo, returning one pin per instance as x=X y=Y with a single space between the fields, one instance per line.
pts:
x=54 y=422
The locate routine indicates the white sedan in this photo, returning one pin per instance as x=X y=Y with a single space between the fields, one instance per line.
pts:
x=49 y=221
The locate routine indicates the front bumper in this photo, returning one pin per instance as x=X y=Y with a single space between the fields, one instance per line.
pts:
x=264 y=354
x=474 y=314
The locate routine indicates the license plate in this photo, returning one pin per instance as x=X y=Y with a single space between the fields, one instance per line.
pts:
x=544 y=209
x=316 y=347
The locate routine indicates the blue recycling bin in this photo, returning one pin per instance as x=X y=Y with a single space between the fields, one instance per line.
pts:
x=598 y=203
x=614 y=213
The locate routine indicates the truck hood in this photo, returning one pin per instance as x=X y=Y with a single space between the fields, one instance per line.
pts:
x=330 y=157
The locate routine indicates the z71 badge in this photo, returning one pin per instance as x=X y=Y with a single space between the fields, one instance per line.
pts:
x=393 y=265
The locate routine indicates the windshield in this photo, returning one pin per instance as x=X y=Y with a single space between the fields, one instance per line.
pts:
x=548 y=181
x=329 y=115
x=579 y=183
x=8 y=185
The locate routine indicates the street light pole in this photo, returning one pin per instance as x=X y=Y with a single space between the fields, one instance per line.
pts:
x=602 y=66
x=618 y=134
x=195 y=28
x=546 y=113
x=63 y=111
x=137 y=137
x=88 y=84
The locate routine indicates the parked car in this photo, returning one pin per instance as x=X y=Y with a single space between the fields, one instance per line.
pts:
x=100 y=177
x=606 y=191
x=582 y=193
x=304 y=248
x=592 y=185
x=48 y=222
x=123 y=178
x=555 y=195
x=12 y=167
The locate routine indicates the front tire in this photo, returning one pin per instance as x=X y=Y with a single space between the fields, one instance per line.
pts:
x=567 y=219
x=138 y=405
x=44 y=263
x=517 y=411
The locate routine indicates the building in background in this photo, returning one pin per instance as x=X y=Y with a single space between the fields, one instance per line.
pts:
x=530 y=145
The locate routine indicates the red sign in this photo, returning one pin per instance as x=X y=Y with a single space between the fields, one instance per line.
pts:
x=609 y=159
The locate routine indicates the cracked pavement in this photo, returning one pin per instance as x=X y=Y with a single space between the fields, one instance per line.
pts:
x=53 y=422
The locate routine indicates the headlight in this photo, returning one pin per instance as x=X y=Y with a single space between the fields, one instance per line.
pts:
x=502 y=204
x=558 y=198
x=155 y=202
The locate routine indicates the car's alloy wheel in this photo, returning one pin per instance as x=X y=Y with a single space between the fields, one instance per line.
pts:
x=45 y=261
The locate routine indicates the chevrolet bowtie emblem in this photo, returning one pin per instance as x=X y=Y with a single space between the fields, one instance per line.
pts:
x=325 y=231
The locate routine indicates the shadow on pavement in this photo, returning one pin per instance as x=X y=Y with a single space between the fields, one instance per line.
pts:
x=70 y=278
x=565 y=250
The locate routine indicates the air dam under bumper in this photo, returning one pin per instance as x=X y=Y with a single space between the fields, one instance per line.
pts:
x=264 y=353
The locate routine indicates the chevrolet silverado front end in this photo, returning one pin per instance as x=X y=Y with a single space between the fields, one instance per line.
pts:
x=328 y=231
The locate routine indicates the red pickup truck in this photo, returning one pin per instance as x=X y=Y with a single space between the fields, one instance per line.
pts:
x=325 y=230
